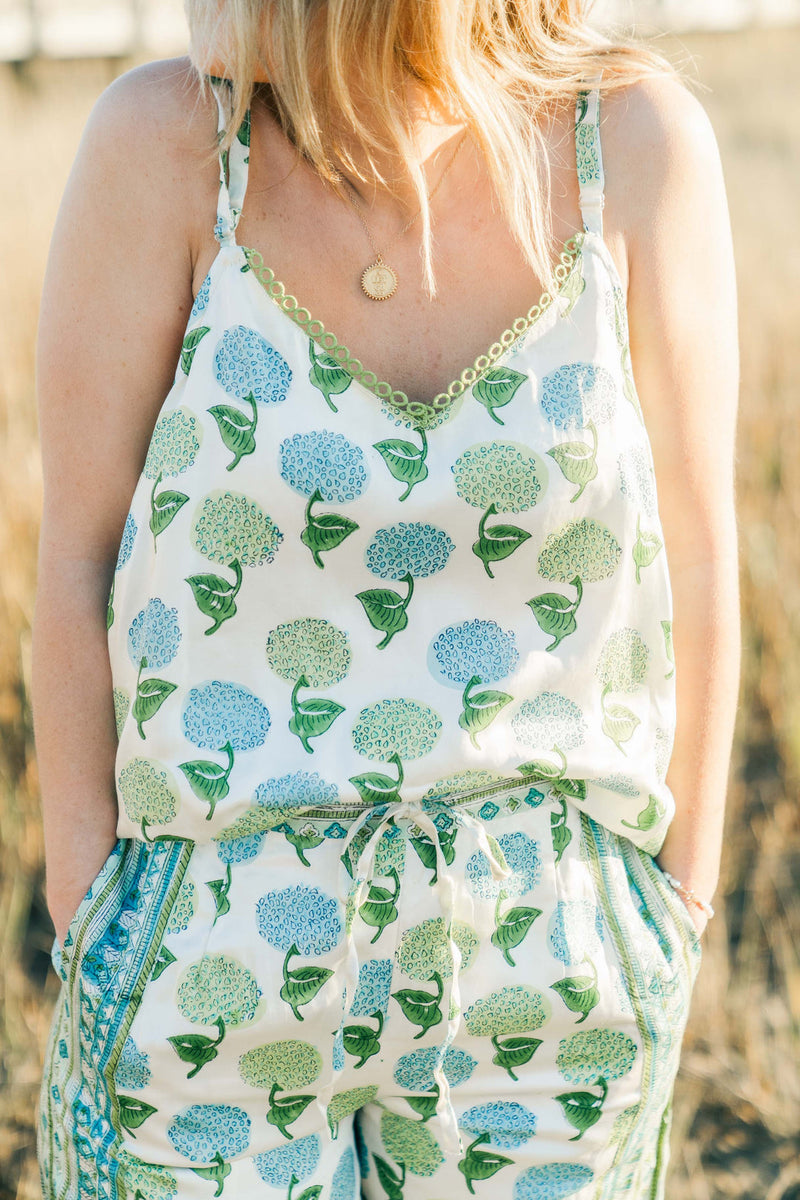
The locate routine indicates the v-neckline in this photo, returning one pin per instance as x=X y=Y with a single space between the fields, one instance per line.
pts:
x=430 y=414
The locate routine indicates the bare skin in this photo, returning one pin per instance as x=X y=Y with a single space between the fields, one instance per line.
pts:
x=134 y=241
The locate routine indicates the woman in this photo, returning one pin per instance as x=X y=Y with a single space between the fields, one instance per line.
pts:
x=370 y=699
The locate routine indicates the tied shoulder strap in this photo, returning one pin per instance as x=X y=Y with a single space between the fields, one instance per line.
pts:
x=589 y=157
x=233 y=163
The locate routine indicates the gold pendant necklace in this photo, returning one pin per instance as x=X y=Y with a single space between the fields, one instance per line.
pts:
x=378 y=280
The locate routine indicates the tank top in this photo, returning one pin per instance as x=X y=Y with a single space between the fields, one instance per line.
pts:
x=328 y=596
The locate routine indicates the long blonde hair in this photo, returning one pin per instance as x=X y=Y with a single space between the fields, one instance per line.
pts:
x=495 y=64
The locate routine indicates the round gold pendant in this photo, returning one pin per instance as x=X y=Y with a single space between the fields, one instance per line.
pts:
x=379 y=281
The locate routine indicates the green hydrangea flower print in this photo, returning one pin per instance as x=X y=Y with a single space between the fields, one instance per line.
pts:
x=148 y=792
x=216 y=990
x=344 y=1104
x=591 y=1057
x=622 y=667
x=122 y=706
x=133 y=1068
x=300 y=921
x=510 y=1017
x=552 y=1181
x=469 y=655
x=174 y=446
x=404 y=552
x=143 y=1178
x=184 y=908
x=124 y=553
x=507 y=1123
x=225 y=717
x=424 y=949
x=392 y=731
x=251 y=370
x=310 y=653
x=410 y=1143
x=233 y=530
x=326 y=468
x=499 y=477
x=210 y=1133
x=154 y=638
x=282 y=1067
x=291 y=1164
x=583 y=551
x=549 y=722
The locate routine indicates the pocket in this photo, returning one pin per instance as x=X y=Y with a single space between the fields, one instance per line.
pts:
x=672 y=903
x=93 y=907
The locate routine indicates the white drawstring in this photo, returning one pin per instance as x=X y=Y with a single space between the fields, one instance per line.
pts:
x=448 y=886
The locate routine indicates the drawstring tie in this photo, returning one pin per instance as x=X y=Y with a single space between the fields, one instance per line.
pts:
x=447 y=886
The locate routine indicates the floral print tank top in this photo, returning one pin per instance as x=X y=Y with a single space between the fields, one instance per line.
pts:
x=329 y=597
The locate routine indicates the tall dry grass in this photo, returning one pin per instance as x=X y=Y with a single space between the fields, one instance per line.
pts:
x=737 y=1111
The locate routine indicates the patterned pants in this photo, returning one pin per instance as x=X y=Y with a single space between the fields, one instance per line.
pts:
x=404 y=1004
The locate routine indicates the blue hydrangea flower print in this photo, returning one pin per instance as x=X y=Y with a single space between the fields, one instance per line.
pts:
x=337 y=1053
x=298 y=1159
x=550 y=722
x=324 y=462
x=574 y=930
x=476 y=647
x=201 y=299
x=522 y=857
x=238 y=850
x=299 y=916
x=154 y=635
x=374 y=986
x=133 y=1069
x=220 y=713
x=414 y=1071
x=408 y=548
x=204 y=1130
x=299 y=789
x=344 y=1185
x=552 y=1181
x=509 y=1124
x=245 y=364
x=126 y=542
x=578 y=393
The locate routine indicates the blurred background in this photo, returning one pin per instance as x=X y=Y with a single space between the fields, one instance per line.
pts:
x=736 y=1127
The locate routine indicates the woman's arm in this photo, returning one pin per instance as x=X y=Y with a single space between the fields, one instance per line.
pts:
x=116 y=299
x=684 y=348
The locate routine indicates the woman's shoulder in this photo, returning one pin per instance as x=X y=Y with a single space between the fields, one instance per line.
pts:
x=153 y=99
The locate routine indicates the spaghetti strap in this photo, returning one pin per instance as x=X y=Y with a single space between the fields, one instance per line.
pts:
x=589 y=157
x=233 y=164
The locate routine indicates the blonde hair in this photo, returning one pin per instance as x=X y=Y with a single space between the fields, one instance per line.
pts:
x=495 y=64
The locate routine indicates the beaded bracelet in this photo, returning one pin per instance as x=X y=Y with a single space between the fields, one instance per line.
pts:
x=688 y=894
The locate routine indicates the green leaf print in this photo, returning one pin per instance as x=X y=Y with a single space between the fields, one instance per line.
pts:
x=583 y=108
x=217 y=1174
x=215 y=596
x=312 y=716
x=390 y=1181
x=514 y=1052
x=311 y=1193
x=573 y=288
x=497 y=388
x=619 y=723
x=649 y=816
x=555 y=614
x=578 y=462
x=326 y=531
x=421 y=1008
x=645 y=549
x=243 y=132
x=361 y=1041
x=425 y=1105
x=284 y=1110
x=560 y=830
x=327 y=375
x=481 y=1164
x=583 y=1109
x=427 y=852
x=110 y=603
x=133 y=1112
x=164 y=507
x=196 y=1048
x=539 y=768
x=666 y=628
x=579 y=993
x=237 y=430
x=189 y=347
x=219 y=889
x=574 y=788
x=512 y=929
x=150 y=695
x=374 y=788
x=301 y=986
x=628 y=386
x=387 y=609
x=303 y=841
x=480 y=709
x=164 y=959
x=380 y=907
x=209 y=780
x=497 y=542
x=405 y=461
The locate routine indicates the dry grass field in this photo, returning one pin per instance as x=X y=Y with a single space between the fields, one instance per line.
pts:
x=736 y=1131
